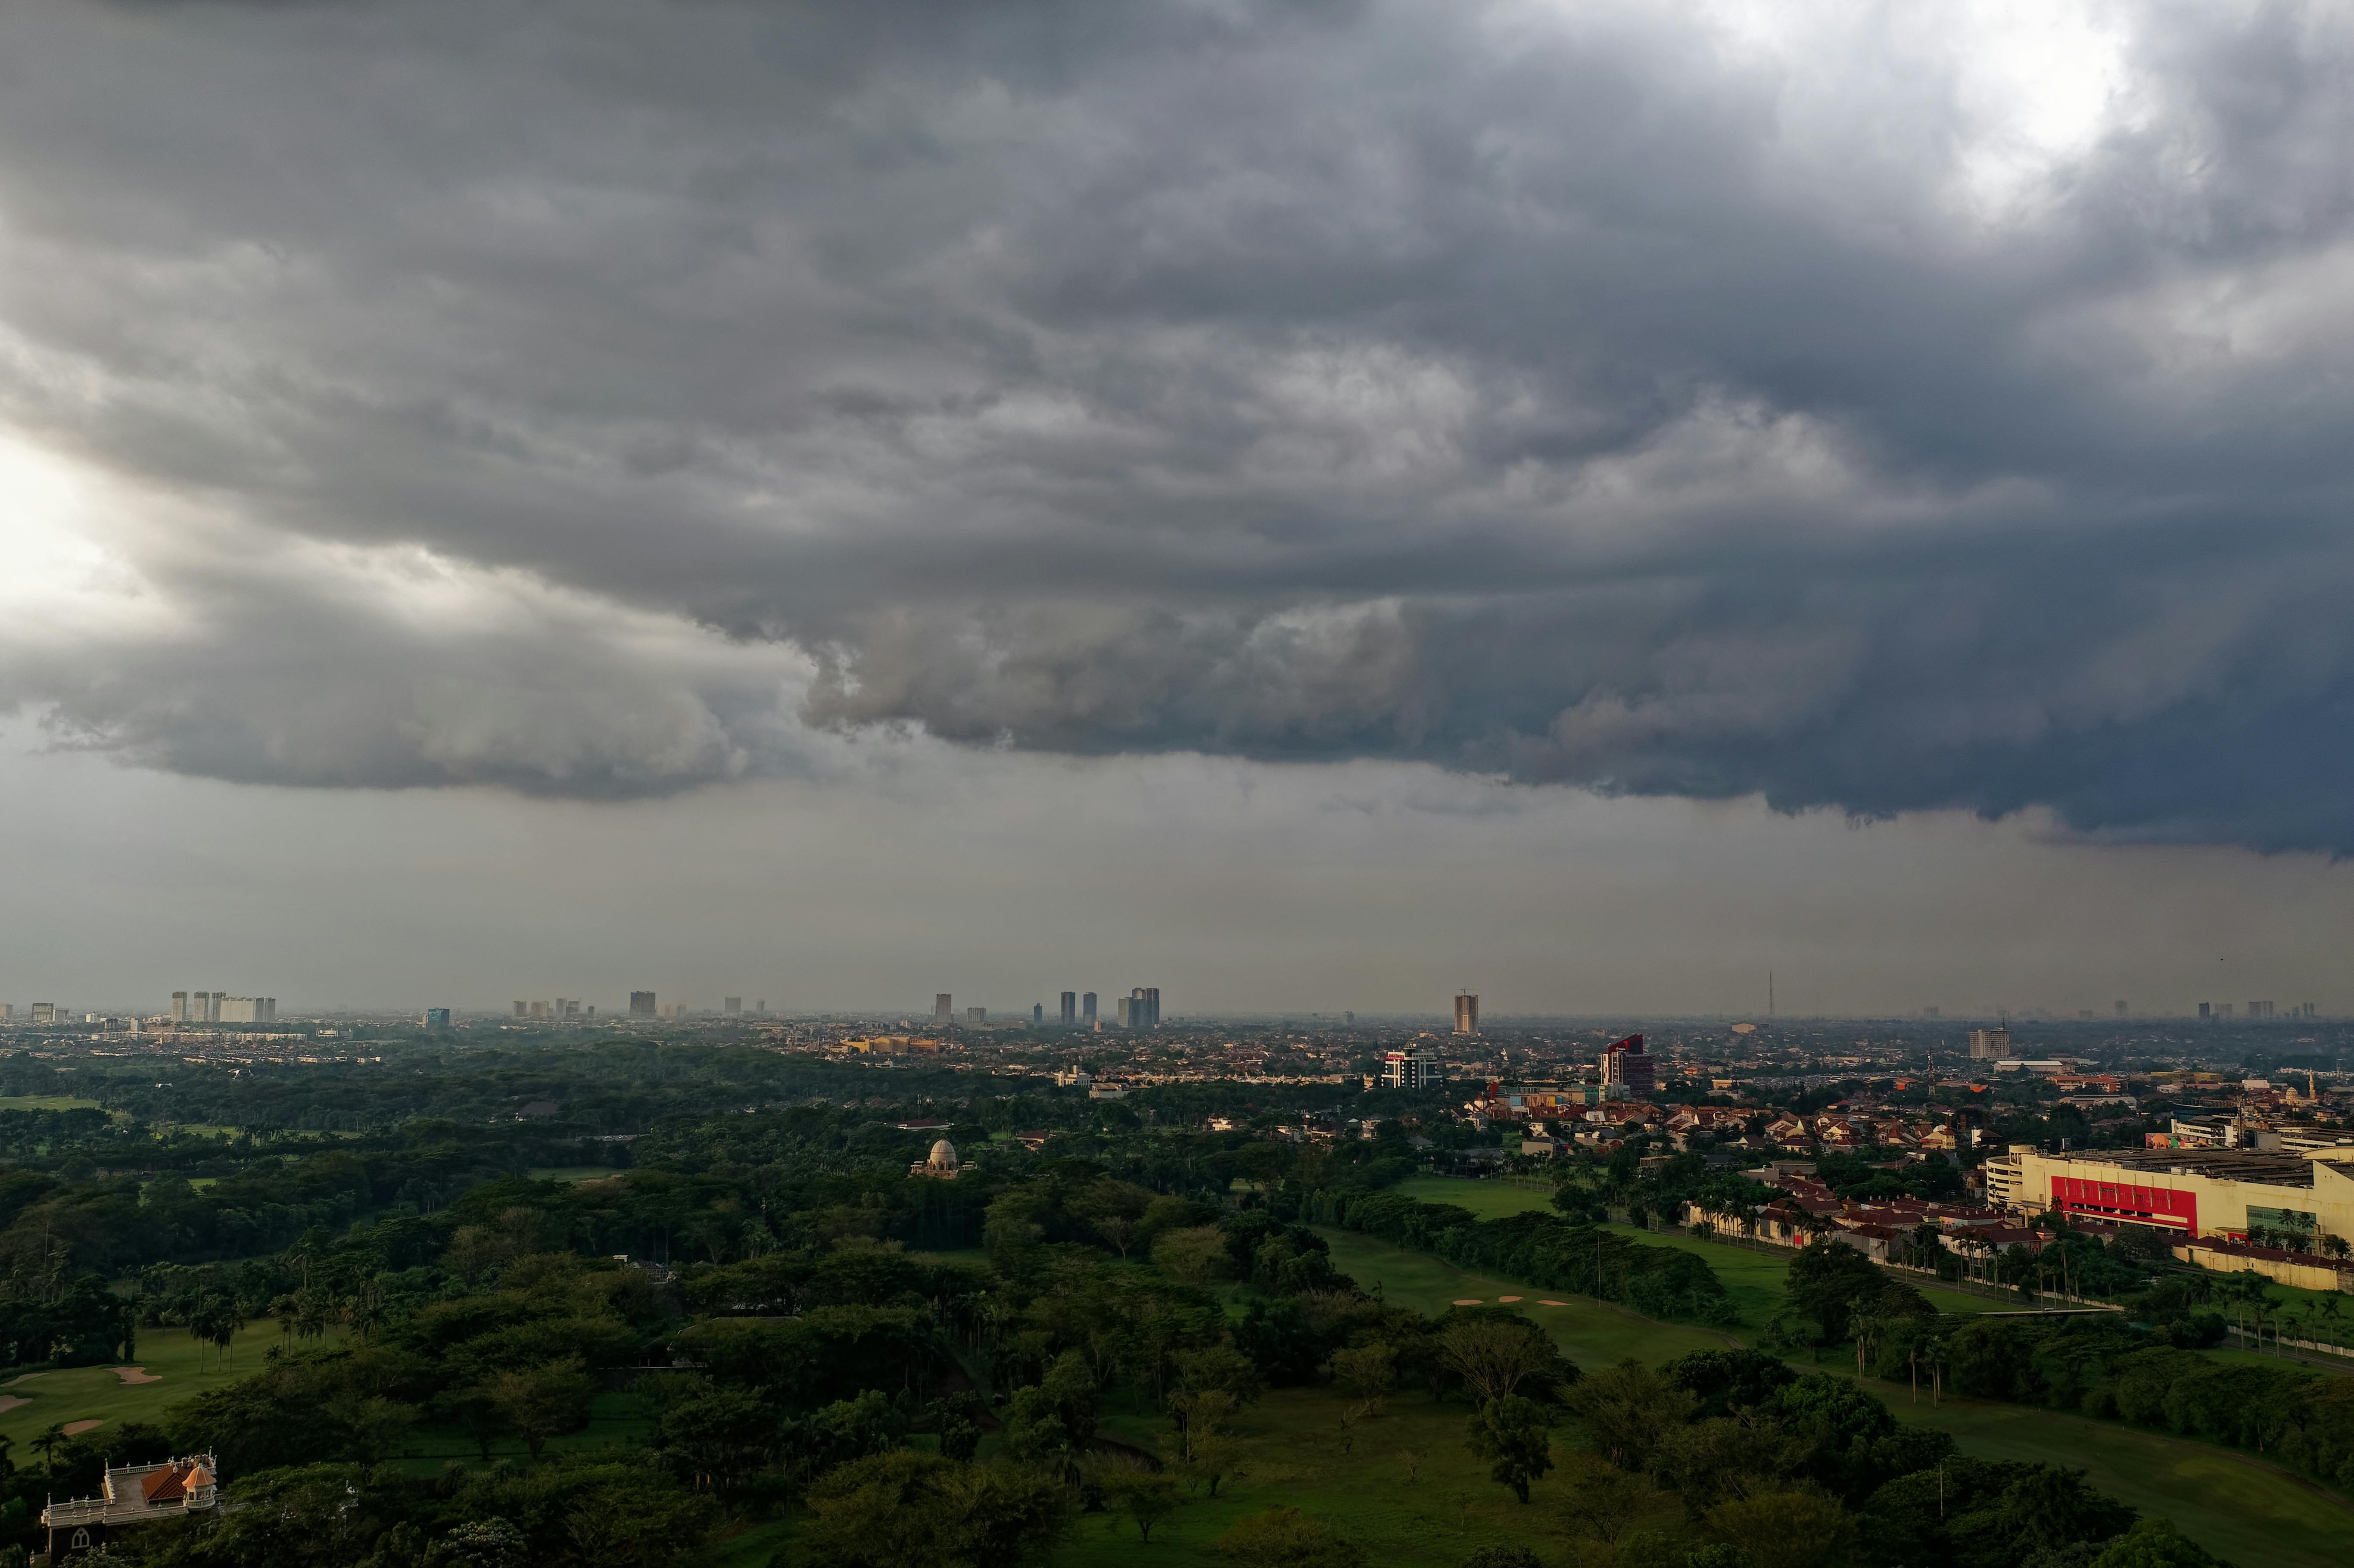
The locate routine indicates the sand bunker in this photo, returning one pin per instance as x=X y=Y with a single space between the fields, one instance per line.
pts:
x=138 y=1374
x=1468 y=1301
x=1552 y=1303
x=10 y=1401
x=1508 y=1298
x=76 y=1428
x=22 y=1377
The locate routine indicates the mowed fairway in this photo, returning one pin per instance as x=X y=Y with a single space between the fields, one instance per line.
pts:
x=179 y=1365
x=1752 y=1276
x=2233 y=1504
x=2237 y=1505
x=1591 y=1333
x=1401 y=1483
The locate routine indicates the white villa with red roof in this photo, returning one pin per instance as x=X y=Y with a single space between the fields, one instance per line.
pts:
x=132 y=1494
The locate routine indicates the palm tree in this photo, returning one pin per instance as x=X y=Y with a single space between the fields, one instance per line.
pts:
x=226 y=1322
x=49 y=1442
x=1925 y=1242
x=363 y=1307
x=1865 y=1328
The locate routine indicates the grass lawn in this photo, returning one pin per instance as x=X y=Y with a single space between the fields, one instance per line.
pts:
x=180 y=1365
x=1490 y=1199
x=47 y=1102
x=1438 y=1507
x=2234 y=1504
x=1401 y=1483
x=756 y=1546
x=574 y=1173
x=1754 y=1277
x=1591 y=1333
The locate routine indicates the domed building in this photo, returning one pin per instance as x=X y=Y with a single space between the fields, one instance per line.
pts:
x=941 y=1163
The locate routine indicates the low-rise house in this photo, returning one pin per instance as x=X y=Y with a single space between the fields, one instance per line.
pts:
x=130 y=1496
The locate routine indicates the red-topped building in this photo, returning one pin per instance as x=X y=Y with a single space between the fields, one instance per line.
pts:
x=1625 y=1063
x=131 y=1495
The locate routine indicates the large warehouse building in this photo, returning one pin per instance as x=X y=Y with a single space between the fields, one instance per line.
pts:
x=2195 y=1192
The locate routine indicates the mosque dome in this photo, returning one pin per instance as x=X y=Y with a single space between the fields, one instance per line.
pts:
x=943 y=1157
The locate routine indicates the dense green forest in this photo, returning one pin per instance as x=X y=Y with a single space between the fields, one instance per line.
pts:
x=726 y=1269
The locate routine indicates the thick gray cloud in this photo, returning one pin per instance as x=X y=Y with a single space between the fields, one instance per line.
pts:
x=1882 y=411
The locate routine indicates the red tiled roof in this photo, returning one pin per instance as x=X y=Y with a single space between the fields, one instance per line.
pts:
x=165 y=1484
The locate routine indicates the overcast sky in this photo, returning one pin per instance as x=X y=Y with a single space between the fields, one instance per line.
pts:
x=1303 y=504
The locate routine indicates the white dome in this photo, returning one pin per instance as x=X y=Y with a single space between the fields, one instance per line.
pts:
x=944 y=1156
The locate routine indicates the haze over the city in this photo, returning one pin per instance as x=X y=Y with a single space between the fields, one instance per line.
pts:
x=1305 y=506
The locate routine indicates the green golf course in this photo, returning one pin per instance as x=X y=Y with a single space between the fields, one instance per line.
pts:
x=2238 y=1505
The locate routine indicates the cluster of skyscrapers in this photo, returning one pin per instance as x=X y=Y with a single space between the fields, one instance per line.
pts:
x=562 y=1008
x=219 y=1007
x=1140 y=1009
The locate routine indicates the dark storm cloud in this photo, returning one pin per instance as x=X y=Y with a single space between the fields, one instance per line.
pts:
x=1581 y=393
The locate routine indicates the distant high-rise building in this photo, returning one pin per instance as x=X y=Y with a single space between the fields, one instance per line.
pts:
x=437 y=1018
x=212 y=1000
x=943 y=1009
x=1991 y=1045
x=2222 y=1010
x=1929 y=1012
x=1143 y=1009
x=179 y=1007
x=732 y=1006
x=1128 y=1008
x=523 y=1008
x=2260 y=1010
x=45 y=1012
x=2121 y=1008
x=1037 y=1013
x=2204 y=1011
x=1070 y=1007
x=641 y=1004
x=1348 y=1018
x=1415 y=1067
x=247 y=1009
x=976 y=1015
x=1625 y=1063
x=1467 y=1013
x=1088 y=1008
